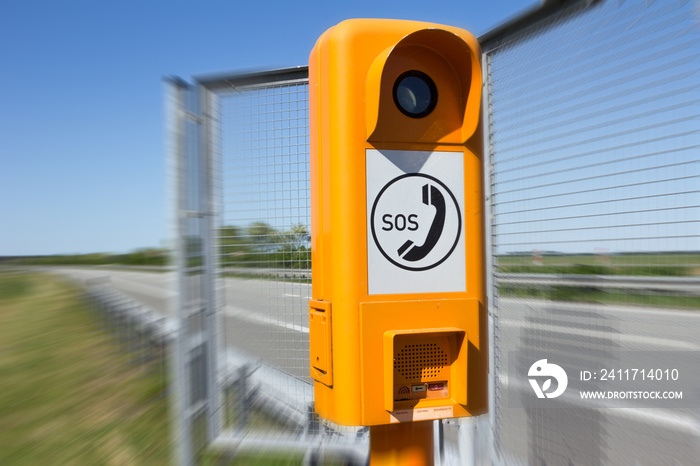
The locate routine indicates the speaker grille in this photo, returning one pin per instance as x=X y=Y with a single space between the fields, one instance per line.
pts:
x=420 y=361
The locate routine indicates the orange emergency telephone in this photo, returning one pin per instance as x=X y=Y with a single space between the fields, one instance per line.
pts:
x=398 y=313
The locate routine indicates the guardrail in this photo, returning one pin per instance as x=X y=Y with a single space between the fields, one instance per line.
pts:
x=147 y=335
x=685 y=285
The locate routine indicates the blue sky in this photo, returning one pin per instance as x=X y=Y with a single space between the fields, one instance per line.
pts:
x=82 y=158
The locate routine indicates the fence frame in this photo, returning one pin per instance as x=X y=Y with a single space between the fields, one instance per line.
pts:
x=477 y=441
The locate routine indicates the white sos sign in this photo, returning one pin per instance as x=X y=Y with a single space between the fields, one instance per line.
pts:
x=415 y=222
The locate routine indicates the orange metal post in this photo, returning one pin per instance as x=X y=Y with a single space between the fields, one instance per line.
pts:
x=405 y=444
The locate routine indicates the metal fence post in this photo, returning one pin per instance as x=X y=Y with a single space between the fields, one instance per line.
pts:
x=176 y=139
x=208 y=167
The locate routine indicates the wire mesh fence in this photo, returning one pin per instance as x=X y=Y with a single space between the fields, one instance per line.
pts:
x=264 y=250
x=593 y=125
x=263 y=258
x=593 y=135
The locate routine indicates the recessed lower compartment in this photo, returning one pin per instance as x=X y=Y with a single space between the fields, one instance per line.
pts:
x=420 y=364
x=414 y=359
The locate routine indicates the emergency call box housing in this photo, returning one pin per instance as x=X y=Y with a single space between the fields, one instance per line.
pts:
x=397 y=316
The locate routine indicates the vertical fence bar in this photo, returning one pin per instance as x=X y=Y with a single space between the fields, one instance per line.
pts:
x=486 y=449
x=176 y=143
x=207 y=110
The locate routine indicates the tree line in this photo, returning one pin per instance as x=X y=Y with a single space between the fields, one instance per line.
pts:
x=258 y=245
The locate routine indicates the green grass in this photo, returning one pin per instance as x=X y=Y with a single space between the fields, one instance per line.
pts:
x=652 y=264
x=67 y=394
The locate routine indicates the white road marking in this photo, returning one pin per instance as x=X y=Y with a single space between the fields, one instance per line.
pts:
x=252 y=317
x=292 y=295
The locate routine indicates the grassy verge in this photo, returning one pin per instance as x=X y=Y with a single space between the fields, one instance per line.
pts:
x=67 y=394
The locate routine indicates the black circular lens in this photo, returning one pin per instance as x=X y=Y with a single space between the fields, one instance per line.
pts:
x=415 y=94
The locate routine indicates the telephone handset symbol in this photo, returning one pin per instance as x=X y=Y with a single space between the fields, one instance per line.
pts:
x=431 y=196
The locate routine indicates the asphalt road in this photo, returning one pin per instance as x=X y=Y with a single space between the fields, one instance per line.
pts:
x=268 y=320
x=598 y=338
x=264 y=319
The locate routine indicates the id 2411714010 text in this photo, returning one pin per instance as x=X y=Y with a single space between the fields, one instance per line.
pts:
x=630 y=374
